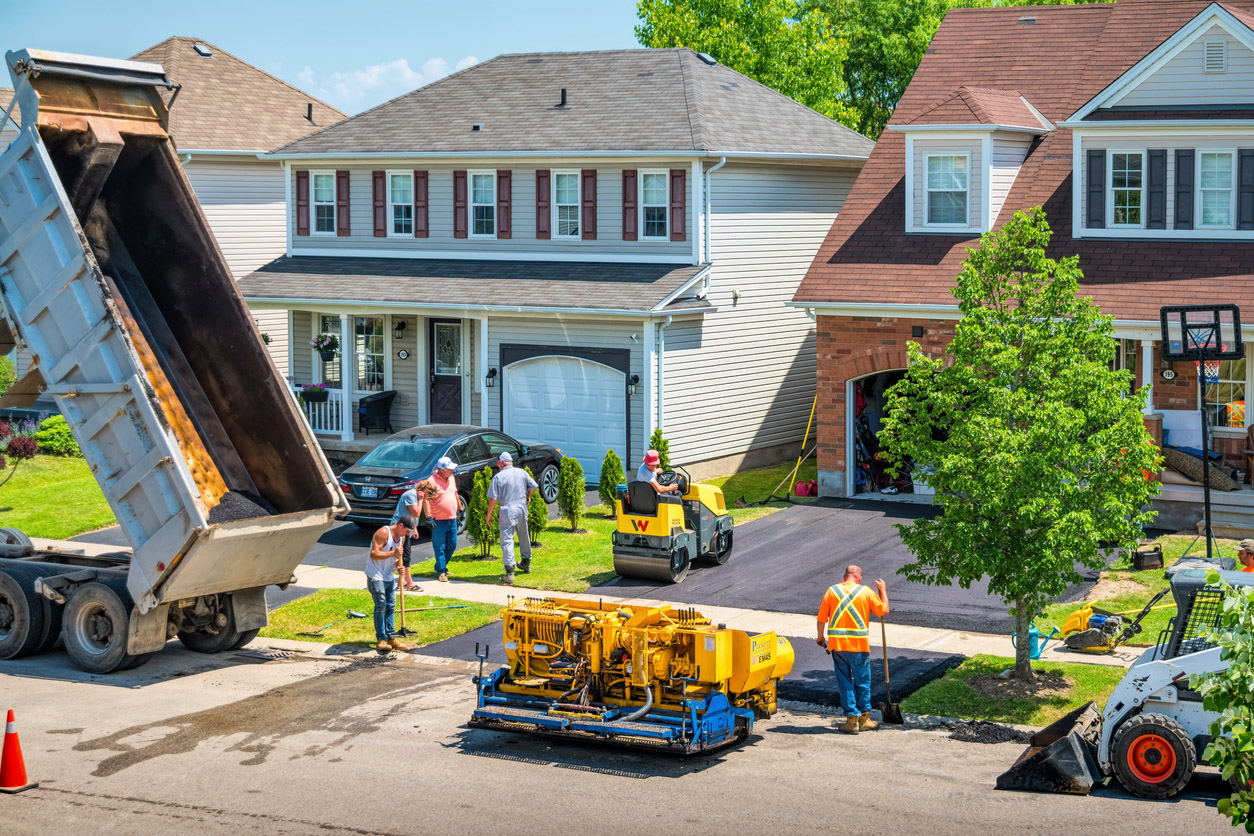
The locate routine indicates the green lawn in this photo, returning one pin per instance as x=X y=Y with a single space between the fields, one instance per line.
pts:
x=327 y=605
x=53 y=496
x=951 y=696
x=1137 y=589
x=756 y=485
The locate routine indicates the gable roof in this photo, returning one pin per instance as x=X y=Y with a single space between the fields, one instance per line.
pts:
x=6 y=96
x=1061 y=61
x=616 y=100
x=984 y=106
x=226 y=104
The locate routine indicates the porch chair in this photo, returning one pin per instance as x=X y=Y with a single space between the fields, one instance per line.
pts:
x=374 y=412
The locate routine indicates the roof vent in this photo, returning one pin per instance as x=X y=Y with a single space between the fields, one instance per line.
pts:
x=562 y=103
x=476 y=127
x=309 y=111
x=1028 y=20
x=707 y=58
x=203 y=49
x=1216 y=56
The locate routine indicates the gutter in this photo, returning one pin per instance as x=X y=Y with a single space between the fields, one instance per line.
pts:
x=687 y=153
x=335 y=304
x=709 y=207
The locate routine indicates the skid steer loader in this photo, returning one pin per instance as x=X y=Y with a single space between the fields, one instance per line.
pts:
x=1152 y=732
x=659 y=535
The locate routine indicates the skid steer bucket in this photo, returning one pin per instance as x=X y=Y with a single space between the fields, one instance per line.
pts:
x=1060 y=757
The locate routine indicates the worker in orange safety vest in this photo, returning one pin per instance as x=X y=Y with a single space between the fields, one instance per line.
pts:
x=843 y=620
x=1245 y=555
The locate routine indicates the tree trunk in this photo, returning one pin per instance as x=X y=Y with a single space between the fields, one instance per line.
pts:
x=1023 y=643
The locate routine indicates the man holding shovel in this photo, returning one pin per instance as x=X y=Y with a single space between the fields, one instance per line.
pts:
x=381 y=565
x=842 y=622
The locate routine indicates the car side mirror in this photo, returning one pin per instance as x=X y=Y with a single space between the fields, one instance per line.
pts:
x=525 y=450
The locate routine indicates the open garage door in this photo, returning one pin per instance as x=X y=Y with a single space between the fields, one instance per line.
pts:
x=575 y=404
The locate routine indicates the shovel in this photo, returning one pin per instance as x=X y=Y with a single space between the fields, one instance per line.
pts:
x=351 y=614
x=890 y=712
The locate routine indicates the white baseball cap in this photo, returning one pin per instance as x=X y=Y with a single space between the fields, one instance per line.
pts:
x=445 y=463
x=505 y=457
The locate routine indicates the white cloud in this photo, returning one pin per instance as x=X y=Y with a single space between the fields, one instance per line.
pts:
x=356 y=90
x=468 y=61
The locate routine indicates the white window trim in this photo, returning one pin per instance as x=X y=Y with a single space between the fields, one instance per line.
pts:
x=1235 y=432
x=927 y=191
x=1110 y=187
x=388 y=175
x=470 y=204
x=387 y=353
x=553 y=234
x=313 y=210
x=666 y=206
x=1232 y=188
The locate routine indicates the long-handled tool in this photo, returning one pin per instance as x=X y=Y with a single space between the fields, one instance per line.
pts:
x=890 y=711
x=320 y=630
x=449 y=607
x=403 y=631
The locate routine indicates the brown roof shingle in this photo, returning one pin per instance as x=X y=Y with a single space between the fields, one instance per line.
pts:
x=1068 y=56
x=981 y=106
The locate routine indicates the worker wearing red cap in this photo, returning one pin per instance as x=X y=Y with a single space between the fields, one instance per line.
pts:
x=649 y=470
x=843 y=620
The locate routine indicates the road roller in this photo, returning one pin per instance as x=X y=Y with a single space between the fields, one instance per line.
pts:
x=655 y=676
x=659 y=535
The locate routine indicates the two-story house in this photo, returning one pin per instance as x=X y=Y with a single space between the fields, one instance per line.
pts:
x=1132 y=124
x=575 y=248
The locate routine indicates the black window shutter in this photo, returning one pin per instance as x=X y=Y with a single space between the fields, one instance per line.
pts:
x=1095 y=190
x=1156 y=218
x=1245 y=188
x=1184 y=188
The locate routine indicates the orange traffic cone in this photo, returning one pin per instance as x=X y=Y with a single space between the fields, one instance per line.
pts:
x=12 y=768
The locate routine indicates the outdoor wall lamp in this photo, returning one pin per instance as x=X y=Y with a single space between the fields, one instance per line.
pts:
x=398 y=331
x=490 y=379
x=631 y=384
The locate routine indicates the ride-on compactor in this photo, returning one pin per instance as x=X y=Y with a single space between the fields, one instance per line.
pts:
x=1153 y=730
x=657 y=677
x=659 y=535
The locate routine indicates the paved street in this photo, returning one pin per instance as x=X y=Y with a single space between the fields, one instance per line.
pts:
x=234 y=745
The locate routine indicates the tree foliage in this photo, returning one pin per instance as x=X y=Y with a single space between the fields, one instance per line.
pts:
x=55 y=437
x=1039 y=450
x=537 y=514
x=658 y=442
x=612 y=476
x=570 y=491
x=14 y=449
x=483 y=530
x=1229 y=693
x=8 y=374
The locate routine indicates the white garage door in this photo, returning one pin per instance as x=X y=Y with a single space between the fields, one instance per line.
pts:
x=577 y=405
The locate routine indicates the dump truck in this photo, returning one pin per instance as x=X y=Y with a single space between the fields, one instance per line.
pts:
x=111 y=279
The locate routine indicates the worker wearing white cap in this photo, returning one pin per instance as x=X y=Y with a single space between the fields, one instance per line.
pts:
x=512 y=489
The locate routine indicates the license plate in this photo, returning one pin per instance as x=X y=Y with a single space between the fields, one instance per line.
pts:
x=368 y=492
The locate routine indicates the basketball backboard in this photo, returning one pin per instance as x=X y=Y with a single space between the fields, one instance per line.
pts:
x=1215 y=330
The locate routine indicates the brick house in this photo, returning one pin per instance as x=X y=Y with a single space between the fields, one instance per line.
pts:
x=1132 y=125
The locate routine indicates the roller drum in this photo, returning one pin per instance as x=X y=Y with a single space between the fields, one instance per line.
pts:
x=672 y=569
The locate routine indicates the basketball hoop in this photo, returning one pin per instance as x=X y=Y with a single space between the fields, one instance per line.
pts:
x=1208 y=371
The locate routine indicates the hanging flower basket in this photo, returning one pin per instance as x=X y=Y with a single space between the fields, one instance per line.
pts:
x=314 y=393
x=327 y=355
x=326 y=345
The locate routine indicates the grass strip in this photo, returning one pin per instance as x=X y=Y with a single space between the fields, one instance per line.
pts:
x=55 y=497
x=327 y=605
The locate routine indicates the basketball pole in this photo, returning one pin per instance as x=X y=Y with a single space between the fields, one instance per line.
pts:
x=1201 y=371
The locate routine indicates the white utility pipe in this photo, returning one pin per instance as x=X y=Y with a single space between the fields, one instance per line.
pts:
x=709 y=205
x=661 y=363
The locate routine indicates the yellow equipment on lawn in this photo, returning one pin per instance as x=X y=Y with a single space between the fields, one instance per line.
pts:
x=653 y=676
x=659 y=535
x=1092 y=629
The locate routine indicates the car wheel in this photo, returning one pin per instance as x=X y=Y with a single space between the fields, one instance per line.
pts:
x=461 y=514
x=548 y=483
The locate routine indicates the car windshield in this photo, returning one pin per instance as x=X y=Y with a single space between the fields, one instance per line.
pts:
x=404 y=454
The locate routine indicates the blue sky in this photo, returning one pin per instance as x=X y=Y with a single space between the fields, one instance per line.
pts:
x=353 y=56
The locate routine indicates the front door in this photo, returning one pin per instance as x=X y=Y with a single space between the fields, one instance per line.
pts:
x=446 y=371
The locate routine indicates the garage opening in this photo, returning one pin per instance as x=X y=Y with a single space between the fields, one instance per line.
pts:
x=868 y=474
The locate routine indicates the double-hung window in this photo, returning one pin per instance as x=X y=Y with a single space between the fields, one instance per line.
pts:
x=566 y=204
x=400 y=204
x=369 y=352
x=1225 y=398
x=947 y=189
x=1215 y=178
x=483 y=203
x=1127 y=188
x=654 y=204
x=323 y=201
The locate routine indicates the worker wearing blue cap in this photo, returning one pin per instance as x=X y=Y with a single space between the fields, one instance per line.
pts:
x=512 y=488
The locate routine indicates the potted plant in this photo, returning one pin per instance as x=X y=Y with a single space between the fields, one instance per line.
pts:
x=326 y=345
x=314 y=393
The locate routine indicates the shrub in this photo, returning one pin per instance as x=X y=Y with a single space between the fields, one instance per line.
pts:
x=570 y=491
x=612 y=476
x=55 y=439
x=15 y=449
x=537 y=514
x=482 y=530
x=8 y=374
x=658 y=442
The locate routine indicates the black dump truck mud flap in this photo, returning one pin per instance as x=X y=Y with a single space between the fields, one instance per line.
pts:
x=1060 y=758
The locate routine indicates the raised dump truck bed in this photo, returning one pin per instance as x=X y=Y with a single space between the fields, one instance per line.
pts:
x=112 y=280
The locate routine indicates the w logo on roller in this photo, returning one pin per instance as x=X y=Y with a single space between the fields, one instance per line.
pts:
x=640 y=525
x=12 y=768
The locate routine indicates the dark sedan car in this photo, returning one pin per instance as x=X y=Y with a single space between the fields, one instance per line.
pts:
x=374 y=485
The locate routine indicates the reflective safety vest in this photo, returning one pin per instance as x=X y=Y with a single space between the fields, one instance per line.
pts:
x=846 y=609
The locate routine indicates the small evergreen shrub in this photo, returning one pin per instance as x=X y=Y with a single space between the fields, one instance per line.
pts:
x=55 y=439
x=537 y=513
x=612 y=476
x=658 y=442
x=570 y=491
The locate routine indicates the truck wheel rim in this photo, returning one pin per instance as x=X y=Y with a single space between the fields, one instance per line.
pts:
x=94 y=629
x=7 y=617
x=1151 y=759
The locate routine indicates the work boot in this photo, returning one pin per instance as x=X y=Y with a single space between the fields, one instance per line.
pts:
x=384 y=646
x=509 y=577
x=866 y=723
x=525 y=566
x=399 y=645
x=443 y=577
x=852 y=725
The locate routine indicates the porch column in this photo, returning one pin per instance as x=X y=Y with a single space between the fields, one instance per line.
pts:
x=481 y=369
x=347 y=370
x=1147 y=373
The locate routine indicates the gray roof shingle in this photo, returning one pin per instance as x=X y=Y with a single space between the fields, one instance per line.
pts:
x=617 y=100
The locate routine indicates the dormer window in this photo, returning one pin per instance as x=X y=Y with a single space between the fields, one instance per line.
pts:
x=947 y=190
x=1127 y=188
x=1215 y=183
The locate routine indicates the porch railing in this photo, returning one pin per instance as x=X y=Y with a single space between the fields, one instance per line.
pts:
x=324 y=417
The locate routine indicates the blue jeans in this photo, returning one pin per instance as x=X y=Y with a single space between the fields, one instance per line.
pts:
x=384 y=595
x=444 y=541
x=853 y=678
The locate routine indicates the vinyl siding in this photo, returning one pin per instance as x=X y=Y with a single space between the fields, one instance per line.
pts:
x=975 y=188
x=1183 y=80
x=743 y=377
x=274 y=324
x=244 y=203
x=1009 y=151
x=609 y=243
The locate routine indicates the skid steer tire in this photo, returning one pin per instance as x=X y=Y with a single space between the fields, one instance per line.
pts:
x=1153 y=756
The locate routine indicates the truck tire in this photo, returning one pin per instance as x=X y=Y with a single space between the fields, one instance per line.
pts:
x=52 y=611
x=15 y=537
x=1153 y=756
x=203 y=642
x=95 y=627
x=244 y=638
x=21 y=614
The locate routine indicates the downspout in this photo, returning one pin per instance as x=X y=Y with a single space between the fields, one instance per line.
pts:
x=709 y=205
x=661 y=364
x=810 y=313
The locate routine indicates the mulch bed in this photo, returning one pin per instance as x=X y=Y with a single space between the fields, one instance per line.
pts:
x=1047 y=684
